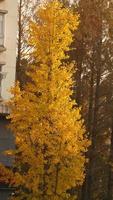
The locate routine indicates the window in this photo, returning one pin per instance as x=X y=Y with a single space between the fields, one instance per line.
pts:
x=1 y=29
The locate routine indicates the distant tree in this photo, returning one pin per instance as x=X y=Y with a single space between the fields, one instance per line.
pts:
x=93 y=53
x=26 y=10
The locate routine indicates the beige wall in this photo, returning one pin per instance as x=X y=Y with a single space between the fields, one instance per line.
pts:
x=9 y=56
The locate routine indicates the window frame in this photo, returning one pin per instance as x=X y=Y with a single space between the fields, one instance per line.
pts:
x=2 y=31
x=2 y=37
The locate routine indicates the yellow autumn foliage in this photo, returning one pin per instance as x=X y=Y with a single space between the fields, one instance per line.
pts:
x=46 y=122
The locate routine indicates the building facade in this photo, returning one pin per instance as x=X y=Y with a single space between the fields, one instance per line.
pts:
x=8 y=32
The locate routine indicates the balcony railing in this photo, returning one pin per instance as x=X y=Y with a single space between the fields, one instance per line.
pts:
x=4 y=109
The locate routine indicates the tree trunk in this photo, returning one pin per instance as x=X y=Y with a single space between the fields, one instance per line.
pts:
x=92 y=124
x=110 y=176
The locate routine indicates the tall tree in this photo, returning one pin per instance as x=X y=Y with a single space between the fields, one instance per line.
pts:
x=46 y=122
